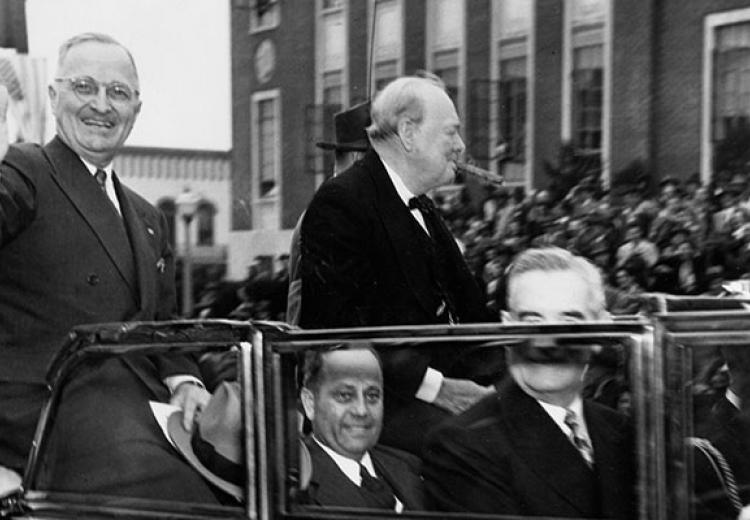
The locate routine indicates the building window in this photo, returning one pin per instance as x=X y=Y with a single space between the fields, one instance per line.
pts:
x=168 y=208
x=512 y=116
x=265 y=155
x=508 y=142
x=587 y=99
x=732 y=80
x=445 y=65
x=205 y=223
x=387 y=42
x=445 y=40
x=267 y=147
x=264 y=15
x=331 y=94
x=586 y=89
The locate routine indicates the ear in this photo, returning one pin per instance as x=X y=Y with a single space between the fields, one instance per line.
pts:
x=52 y=93
x=406 y=131
x=138 y=107
x=308 y=403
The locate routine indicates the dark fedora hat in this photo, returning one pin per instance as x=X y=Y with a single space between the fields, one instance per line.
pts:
x=350 y=127
x=214 y=448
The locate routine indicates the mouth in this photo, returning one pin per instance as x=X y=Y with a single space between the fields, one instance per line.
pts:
x=98 y=123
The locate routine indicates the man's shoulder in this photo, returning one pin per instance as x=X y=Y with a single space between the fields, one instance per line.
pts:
x=483 y=416
x=25 y=157
x=391 y=456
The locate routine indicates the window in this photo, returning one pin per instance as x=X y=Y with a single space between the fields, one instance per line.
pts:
x=445 y=41
x=387 y=42
x=445 y=65
x=205 y=221
x=587 y=98
x=267 y=147
x=264 y=14
x=511 y=60
x=732 y=79
x=512 y=116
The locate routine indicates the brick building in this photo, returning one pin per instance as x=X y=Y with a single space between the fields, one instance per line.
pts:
x=659 y=81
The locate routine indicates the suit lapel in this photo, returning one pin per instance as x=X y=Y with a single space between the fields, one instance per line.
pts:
x=144 y=255
x=547 y=452
x=328 y=485
x=405 y=233
x=401 y=484
x=614 y=459
x=79 y=186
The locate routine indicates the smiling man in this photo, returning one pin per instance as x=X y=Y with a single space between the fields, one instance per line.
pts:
x=76 y=247
x=375 y=251
x=342 y=396
x=536 y=448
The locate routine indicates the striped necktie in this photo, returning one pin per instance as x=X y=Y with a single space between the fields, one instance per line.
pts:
x=577 y=437
x=101 y=178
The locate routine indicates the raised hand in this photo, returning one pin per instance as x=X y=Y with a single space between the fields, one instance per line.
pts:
x=3 y=121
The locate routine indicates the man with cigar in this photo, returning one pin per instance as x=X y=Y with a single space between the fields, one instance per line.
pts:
x=375 y=252
x=536 y=448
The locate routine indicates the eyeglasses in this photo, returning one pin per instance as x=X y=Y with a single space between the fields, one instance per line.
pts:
x=87 y=89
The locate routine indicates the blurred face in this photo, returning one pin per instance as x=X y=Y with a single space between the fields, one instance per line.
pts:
x=437 y=142
x=552 y=374
x=346 y=410
x=95 y=128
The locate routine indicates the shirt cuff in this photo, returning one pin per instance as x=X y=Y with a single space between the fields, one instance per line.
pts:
x=172 y=382
x=430 y=386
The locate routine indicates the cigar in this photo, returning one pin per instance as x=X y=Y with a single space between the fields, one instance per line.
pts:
x=485 y=175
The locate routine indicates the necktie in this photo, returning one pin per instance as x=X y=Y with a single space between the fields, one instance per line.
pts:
x=376 y=493
x=441 y=241
x=577 y=438
x=101 y=178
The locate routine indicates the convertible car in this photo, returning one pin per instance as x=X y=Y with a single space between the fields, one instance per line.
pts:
x=663 y=369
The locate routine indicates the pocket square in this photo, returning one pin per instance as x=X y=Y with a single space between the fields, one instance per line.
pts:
x=161 y=265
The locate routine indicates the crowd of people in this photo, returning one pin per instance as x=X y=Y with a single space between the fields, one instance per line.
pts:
x=682 y=238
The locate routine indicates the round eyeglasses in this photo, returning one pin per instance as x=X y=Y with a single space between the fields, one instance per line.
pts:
x=87 y=89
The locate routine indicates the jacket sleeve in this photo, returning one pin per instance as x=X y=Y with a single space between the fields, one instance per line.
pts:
x=17 y=197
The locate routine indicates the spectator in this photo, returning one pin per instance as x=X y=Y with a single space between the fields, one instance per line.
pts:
x=342 y=395
x=525 y=451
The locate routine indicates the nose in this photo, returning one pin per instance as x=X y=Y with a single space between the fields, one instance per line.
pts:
x=100 y=101
x=459 y=146
x=359 y=407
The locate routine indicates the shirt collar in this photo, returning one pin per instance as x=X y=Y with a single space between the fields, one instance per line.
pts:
x=734 y=399
x=398 y=183
x=557 y=413
x=349 y=467
x=92 y=169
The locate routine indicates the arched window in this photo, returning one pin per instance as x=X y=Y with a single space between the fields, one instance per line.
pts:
x=167 y=206
x=205 y=221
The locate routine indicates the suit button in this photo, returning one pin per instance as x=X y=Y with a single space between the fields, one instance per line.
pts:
x=93 y=279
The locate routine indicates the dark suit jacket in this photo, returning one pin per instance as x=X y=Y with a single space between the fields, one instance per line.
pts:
x=367 y=262
x=67 y=258
x=729 y=431
x=330 y=487
x=506 y=455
